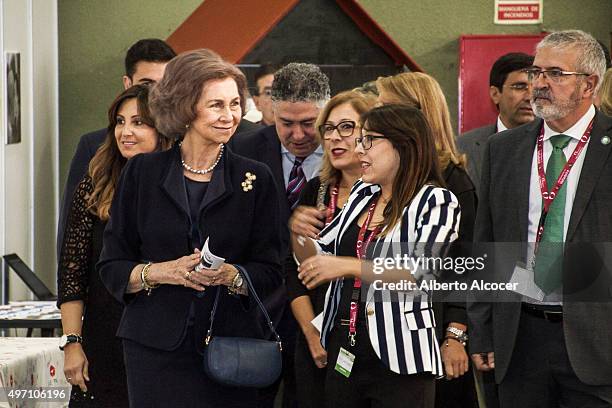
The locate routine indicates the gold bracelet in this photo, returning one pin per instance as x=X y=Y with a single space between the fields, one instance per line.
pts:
x=144 y=275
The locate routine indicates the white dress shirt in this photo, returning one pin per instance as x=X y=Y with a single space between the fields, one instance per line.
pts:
x=310 y=165
x=535 y=197
x=500 y=125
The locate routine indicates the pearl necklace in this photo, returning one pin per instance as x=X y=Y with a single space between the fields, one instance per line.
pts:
x=203 y=171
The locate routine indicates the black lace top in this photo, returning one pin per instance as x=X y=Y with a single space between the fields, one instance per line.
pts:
x=75 y=258
x=79 y=280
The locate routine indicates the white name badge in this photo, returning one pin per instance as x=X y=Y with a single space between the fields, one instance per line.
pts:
x=525 y=284
x=345 y=362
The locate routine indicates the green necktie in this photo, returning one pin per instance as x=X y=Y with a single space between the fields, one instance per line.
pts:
x=549 y=258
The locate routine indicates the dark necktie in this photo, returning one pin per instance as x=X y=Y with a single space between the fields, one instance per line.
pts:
x=297 y=180
x=549 y=258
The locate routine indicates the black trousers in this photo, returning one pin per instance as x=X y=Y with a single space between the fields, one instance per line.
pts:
x=540 y=374
x=163 y=379
x=310 y=379
x=458 y=392
x=371 y=384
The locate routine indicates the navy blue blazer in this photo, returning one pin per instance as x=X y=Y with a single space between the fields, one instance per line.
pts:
x=150 y=221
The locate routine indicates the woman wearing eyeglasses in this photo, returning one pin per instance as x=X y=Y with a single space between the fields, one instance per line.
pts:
x=381 y=343
x=423 y=92
x=322 y=198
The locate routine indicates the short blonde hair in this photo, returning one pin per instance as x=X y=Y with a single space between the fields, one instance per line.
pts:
x=174 y=99
x=605 y=93
x=423 y=92
x=359 y=101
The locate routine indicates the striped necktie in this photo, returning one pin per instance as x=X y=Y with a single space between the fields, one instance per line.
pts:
x=549 y=258
x=297 y=180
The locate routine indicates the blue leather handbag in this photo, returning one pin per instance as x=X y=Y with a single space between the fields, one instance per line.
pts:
x=243 y=361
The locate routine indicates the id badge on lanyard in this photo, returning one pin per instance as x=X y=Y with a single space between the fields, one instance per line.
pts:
x=548 y=196
x=360 y=249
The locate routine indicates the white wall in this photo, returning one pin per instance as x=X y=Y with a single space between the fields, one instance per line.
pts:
x=29 y=170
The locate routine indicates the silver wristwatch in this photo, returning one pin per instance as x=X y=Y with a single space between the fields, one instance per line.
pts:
x=460 y=334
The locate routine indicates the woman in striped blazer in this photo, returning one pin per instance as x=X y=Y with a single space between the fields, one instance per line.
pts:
x=381 y=343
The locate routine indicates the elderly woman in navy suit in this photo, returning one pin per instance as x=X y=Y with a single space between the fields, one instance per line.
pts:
x=382 y=348
x=165 y=207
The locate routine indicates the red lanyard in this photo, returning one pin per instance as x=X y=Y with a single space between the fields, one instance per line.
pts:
x=333 y=203
x=361 y=248
x=549 y=197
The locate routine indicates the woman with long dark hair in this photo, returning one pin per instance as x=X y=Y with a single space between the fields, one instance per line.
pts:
x=322 y=198
x=93 y=358
x=423 y=92
x=381 y=344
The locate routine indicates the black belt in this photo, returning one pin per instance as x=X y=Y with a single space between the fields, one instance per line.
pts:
x=553 y=314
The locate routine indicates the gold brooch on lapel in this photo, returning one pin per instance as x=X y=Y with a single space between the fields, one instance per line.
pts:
x=605 y=140
x=247 y=184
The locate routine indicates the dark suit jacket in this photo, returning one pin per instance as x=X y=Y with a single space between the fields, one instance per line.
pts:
x=150 y=221
x=446 y=306
x=472 y=143
x=86 y=149
x=264 y=146
x=503 y=217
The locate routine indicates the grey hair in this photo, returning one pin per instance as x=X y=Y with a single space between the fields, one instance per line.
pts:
x=591 y=59
x=300 y=82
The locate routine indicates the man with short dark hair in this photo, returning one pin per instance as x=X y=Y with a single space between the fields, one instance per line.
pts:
x=291 y=150
x=545 y=204
x=262 y=92
x=509 y=91
x=145 y=62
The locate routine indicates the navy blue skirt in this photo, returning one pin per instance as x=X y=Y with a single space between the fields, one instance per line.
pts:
x=158 y=378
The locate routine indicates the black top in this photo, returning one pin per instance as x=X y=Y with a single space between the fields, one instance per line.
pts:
x=78 y=280
x=347 y=247
x=295 y=288
x=196 y=190
x=460 y=184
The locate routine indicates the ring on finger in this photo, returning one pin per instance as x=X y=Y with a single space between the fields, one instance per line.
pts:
x=311 y=267
x=188 y=275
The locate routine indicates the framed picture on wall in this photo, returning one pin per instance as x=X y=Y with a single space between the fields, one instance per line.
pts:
x=13 y=98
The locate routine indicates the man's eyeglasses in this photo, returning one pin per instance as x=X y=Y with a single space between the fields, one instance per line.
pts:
x=366 y=141
x=344 y=128
x=555 y=75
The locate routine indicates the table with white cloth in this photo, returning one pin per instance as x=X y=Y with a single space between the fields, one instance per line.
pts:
x=32 y=373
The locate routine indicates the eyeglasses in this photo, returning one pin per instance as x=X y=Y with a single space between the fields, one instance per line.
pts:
x=366 y=141
x=344 y=128
x=555 y=75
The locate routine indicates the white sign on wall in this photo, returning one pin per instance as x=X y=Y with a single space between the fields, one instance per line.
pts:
x=518 y=11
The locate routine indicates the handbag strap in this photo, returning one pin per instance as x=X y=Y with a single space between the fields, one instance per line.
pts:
x=252 y=293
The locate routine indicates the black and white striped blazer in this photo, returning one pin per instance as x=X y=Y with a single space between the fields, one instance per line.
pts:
x=401 y=325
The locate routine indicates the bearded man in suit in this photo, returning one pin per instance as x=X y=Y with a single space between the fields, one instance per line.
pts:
x=550 y=182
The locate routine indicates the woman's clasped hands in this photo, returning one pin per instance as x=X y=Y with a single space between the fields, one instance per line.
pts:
x=182 y=271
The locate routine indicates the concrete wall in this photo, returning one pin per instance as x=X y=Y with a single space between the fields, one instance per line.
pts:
x=429 y=30
x=94 y=36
